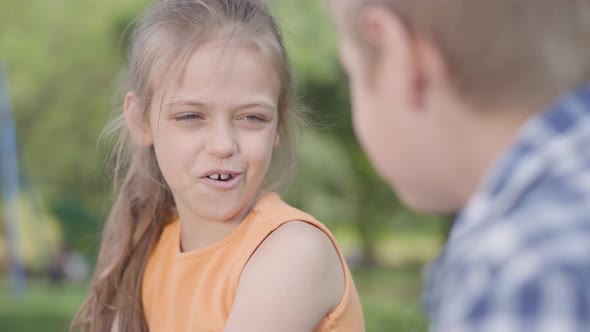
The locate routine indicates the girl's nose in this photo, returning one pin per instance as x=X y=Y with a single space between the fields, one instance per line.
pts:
x=221 y=142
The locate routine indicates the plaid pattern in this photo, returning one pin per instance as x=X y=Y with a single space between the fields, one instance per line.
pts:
x=518 y=257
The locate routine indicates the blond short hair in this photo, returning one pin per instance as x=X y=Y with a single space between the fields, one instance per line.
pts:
x=516 y=52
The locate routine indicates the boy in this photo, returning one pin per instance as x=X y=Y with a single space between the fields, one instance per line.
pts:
x=483 y=107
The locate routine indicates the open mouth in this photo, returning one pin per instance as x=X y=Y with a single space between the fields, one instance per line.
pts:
x=221 y=177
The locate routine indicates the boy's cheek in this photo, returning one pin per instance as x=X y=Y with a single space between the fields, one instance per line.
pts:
x=365 y=124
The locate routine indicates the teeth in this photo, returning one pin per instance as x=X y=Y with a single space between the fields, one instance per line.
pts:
x=219 y=177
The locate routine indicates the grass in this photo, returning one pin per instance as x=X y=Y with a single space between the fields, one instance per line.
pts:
x=42 y=308
x=390 y=299
x=390 y=296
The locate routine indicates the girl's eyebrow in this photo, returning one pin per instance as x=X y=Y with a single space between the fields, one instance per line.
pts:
x=257 y=104
x=246 y=105
x=187 y=102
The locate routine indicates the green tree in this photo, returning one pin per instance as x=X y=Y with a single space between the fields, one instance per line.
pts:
x=62 y=61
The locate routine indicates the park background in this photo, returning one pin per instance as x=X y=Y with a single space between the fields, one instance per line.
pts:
x=63 y=61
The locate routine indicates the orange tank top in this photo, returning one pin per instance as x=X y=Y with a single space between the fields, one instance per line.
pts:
x=194 y=291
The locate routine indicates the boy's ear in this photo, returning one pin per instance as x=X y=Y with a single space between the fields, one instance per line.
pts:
x=395 y=59
x=138 y=125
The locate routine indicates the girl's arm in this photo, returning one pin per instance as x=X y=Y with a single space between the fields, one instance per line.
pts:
x=291 y=282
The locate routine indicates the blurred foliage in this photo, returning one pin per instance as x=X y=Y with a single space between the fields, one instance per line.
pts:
x=44 y=232
x=64 y=60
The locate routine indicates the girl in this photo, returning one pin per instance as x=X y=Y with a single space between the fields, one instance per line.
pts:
x=195 y=240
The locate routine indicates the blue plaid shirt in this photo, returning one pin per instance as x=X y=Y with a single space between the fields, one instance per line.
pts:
x=518 y=256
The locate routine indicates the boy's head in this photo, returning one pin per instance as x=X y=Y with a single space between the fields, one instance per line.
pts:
x=440 y=87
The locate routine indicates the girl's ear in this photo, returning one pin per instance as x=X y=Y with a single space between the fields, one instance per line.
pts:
x=137 y=123
x=277 y=140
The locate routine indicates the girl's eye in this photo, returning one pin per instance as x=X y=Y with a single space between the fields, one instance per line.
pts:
x=188 y=117
x=254 y=118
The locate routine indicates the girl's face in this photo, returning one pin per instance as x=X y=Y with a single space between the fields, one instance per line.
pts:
x=216 y=129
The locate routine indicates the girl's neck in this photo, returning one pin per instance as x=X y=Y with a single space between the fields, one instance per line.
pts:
x=198 y=233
